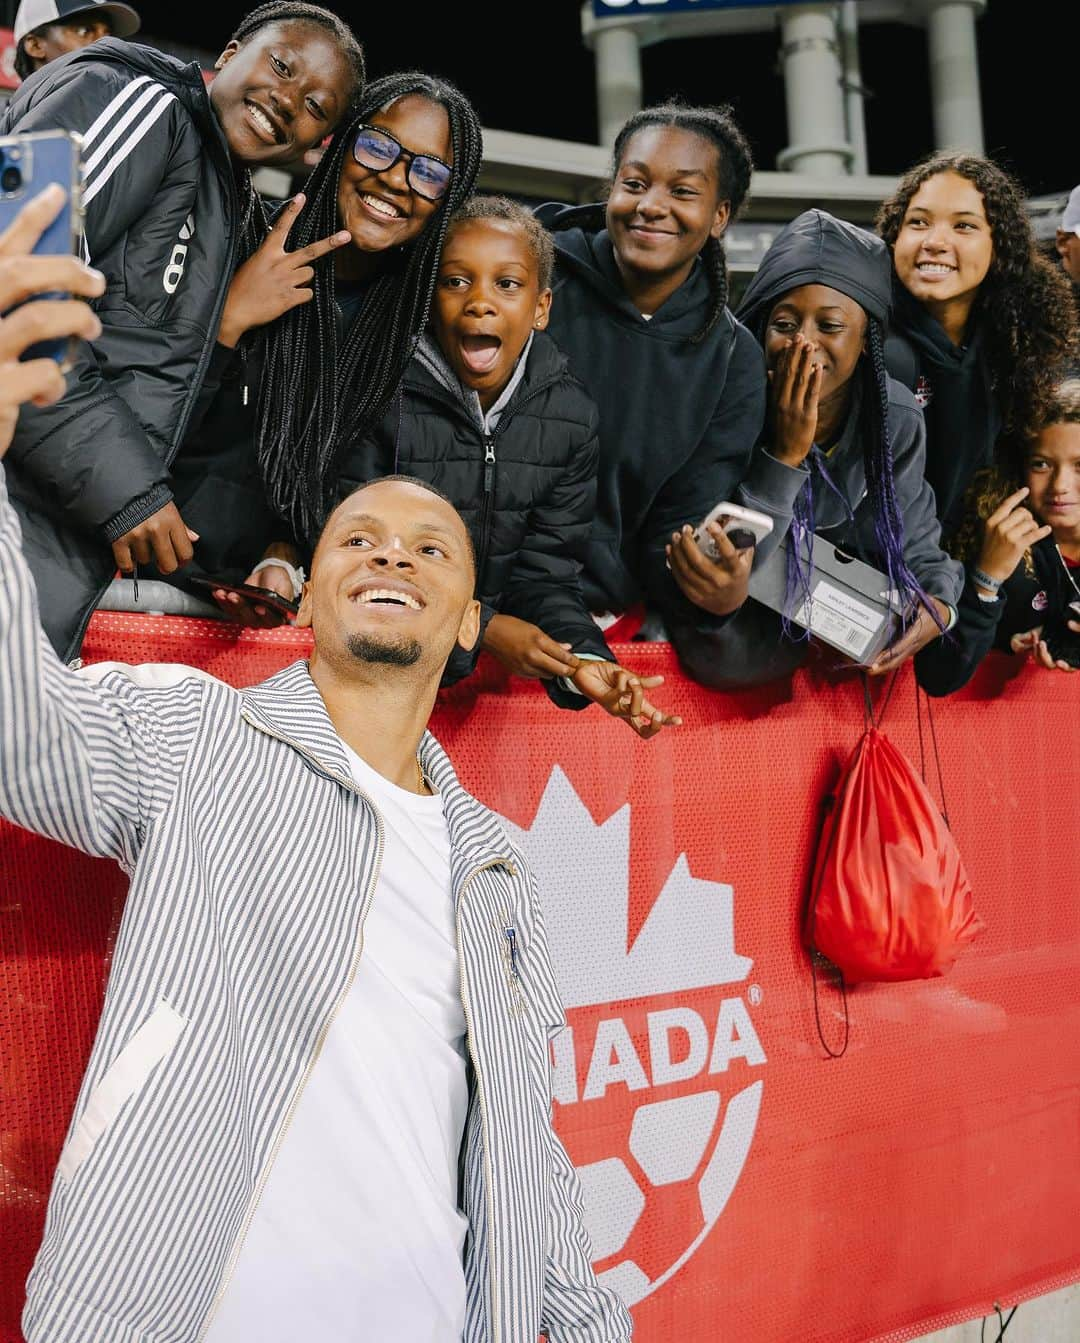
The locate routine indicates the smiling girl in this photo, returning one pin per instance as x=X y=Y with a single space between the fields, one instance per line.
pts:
x=1020 y=542
x=843 y=451
x=982 y=321
x=169 y=211
x=313 y=347
x=640 y=307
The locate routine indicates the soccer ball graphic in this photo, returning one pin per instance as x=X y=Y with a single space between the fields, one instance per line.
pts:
x=684 y=1158
x=656 y=1098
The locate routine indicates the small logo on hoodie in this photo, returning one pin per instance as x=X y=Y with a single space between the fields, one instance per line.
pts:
x=924 y=393
x=1040 y=601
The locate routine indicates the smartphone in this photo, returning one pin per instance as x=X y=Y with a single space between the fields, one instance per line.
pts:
x=284 y=606
x=1062 y=643
x=742 y=526
x=28 y=164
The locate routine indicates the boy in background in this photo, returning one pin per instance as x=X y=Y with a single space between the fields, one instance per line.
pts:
x=46 y=29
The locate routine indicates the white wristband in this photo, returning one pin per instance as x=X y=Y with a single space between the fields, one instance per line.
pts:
x=296 y=575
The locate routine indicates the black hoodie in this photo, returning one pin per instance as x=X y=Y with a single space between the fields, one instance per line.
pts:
x=953 y=384
x=817 y=248
x=677 y=420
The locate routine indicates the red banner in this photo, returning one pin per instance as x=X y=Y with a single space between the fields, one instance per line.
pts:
x=8 y=78
x=739 y=1184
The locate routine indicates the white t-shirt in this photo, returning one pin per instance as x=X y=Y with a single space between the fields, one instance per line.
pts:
x=358 y=1237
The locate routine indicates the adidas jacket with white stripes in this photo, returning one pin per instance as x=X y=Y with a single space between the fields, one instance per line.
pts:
x=240 y=938
x=161 y=223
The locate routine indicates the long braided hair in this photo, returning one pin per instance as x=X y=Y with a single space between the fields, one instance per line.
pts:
x=319 y=391
x=254 y=223
x=718 y=126
x=875 y=436
x=1023 y=306
x=880 y=482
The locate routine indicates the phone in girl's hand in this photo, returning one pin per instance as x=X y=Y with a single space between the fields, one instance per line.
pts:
x=743 y=526
x=284 y=606
x=28 y=164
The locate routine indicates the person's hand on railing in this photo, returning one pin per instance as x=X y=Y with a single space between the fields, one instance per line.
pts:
x=622 y=693
x=525 y=650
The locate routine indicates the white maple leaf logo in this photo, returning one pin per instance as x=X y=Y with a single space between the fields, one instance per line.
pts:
x=698 y=1134
x=583 y=872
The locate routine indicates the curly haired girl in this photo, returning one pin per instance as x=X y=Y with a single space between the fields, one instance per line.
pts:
x=1020 y=544
x=981 y=322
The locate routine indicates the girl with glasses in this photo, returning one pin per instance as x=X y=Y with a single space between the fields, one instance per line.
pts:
x=313 y=346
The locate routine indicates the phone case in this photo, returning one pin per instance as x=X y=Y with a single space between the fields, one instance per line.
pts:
x=265 y=596
x=38 y=159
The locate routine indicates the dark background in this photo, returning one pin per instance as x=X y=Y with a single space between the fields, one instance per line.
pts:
x=524 y=65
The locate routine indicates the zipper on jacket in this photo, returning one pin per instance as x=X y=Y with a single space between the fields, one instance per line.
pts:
x=238 y=1245
x=510 y=957
x=495 y=1329
x=435 y=392
x=489 y=501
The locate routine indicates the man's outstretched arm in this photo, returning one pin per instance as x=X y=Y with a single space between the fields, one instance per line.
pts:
x=81 y=763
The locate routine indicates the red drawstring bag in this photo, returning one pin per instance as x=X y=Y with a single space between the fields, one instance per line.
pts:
x=890 y=898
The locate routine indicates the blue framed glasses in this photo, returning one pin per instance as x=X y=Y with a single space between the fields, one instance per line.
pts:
x=377 y=149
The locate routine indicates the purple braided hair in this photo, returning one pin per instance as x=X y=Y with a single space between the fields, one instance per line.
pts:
x=881 y=489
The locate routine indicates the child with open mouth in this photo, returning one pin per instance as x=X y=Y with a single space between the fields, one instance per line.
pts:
x=490 y=414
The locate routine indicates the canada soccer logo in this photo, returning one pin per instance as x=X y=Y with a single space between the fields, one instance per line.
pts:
x=654 y=1079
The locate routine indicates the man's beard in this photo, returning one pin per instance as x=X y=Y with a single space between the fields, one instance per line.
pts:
x=393 y=653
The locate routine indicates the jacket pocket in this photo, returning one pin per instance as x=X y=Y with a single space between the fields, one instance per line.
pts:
x=126 y=1075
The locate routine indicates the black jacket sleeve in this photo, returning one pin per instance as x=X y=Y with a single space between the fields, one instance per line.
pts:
x=89 y=452
x=711 y=475
x=544 y=586
x=948 y=663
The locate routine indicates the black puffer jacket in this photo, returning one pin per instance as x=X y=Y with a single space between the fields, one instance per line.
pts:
x=527 y=490
x=161 y=223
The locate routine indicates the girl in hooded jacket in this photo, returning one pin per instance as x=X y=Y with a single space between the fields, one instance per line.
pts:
x=981 y=322
x=640 y=308
x=843 y=453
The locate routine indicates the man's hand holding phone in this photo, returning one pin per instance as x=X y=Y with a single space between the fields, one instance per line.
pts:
x=22 y=276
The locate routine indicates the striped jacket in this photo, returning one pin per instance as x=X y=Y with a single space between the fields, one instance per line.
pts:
x=240 y=938
x=162 y=224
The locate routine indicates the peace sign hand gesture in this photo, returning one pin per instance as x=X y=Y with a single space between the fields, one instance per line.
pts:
x=273 y=280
